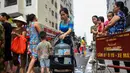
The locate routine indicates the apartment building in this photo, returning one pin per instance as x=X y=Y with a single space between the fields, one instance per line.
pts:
x=69 y=5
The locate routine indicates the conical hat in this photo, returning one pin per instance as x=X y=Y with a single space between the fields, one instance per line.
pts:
x=20 y=18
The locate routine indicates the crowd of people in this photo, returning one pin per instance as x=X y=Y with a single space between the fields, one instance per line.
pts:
x=116 y=23
x=22 y=38
x=81 y=46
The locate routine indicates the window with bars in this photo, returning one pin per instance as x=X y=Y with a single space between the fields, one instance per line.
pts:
x=46 y=6
x=28 y=2
x=10 y=2
x=52 y=1
x=49 y=22
x=53 y=24
x=56 y=15
x=50 y=9
x=56 y=26
x=52 y=13
x=0 y=4
x=46 y=20
x=55 y=4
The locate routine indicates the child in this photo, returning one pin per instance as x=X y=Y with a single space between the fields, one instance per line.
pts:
x=109 y=17
x=43 y=51
x=100 y=26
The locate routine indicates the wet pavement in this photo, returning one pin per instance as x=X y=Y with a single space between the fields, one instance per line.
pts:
x=81 y=64
x=107 y=62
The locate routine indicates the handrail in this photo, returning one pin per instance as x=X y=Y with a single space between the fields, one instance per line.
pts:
x=120 y=67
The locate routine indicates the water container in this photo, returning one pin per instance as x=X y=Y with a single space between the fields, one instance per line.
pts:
x=62 y=49
x=67 y=61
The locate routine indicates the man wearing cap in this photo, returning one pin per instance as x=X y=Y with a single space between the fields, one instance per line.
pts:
x=17 y=31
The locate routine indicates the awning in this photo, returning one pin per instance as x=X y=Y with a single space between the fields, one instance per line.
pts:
x=16 y=14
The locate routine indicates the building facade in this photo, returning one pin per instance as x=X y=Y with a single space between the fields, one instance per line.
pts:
x=47 y=11
x=110 y=4
x=69 y=5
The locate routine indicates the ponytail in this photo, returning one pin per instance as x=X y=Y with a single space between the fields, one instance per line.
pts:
x=30 y=18
x=125 y=10
x=122 y=7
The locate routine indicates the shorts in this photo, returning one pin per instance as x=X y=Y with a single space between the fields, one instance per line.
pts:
x=45 y=63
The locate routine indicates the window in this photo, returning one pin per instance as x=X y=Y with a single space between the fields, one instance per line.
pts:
x=67 y=5
x=53 y=24
x=0 y=4
x=52 y=1
x=46 y=20
x=10 y=2
x=61 y=6
x=125 y=2
x=50 y=9
x=49 y=22
x=56 y=26
x=56 y=15
x=52 y=13
x=46 y=6
x=62 y=0
x=70 y=5
x=55 y=5
x=28 y=2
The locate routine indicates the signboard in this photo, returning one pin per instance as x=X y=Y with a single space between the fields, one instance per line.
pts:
x=114 y=47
